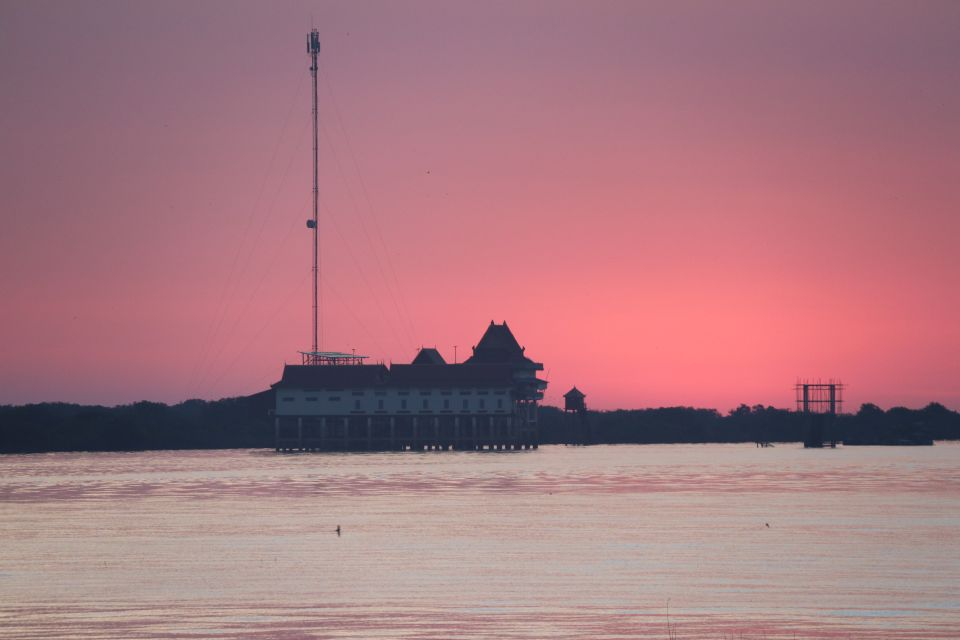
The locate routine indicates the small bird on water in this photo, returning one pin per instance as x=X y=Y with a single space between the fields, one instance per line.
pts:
x=338 y=531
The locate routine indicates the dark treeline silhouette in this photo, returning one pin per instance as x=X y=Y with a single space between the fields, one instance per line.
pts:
x=244 y=423
x=870 y=425
x=195 y=424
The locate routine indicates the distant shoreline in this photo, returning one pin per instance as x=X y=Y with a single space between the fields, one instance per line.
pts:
x=244 y=423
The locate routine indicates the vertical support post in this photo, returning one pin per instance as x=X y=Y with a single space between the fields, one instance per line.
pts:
x=300 y=433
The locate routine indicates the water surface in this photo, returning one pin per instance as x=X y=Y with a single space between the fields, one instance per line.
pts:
x=694 y=541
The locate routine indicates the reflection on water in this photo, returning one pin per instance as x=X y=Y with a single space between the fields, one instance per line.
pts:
x=595 y=542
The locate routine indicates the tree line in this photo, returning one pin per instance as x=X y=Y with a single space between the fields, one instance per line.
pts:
x=195 y=424
x=870 y=425
x=244 y=422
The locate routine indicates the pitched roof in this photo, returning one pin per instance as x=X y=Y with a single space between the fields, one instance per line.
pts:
x=574 y=393
x=496 y=362
x=339 y=376
x=499 y=346
x=451 y=375
x=426 y=355
x=353 y=376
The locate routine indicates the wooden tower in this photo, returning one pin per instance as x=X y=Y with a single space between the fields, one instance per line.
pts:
x=575 y=413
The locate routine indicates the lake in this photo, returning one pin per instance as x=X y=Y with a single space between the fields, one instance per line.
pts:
x=684 y=541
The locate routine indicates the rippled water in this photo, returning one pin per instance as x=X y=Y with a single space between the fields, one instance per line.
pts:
x=595 y=542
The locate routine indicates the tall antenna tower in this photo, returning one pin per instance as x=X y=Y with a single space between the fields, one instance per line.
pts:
x=313 y=48
x=315 y=356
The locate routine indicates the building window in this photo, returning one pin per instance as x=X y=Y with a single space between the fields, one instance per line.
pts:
x=403 y=403
x=356 y=404
x=403 y=393
x=287 y=399
x=426 y=393
x=358 y=393
x=482 y=403
x=426 y=403
x=466 y=404
x=334 y=398
x=380 y=404
x=311 y=398
x=446 y=403
x=499 y=403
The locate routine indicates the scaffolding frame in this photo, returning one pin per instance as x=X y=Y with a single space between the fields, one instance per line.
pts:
x=820 y=397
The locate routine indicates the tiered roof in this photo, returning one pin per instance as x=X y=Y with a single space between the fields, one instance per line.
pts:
x=498 y=345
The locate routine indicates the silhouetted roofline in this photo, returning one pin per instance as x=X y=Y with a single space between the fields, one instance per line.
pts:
x=498 y=345
x=412 y=376
x=450 y=375
x=428 y=355
x=331 y=376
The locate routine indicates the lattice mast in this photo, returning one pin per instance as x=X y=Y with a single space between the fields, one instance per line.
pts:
x=315 y=356
x=313 y=48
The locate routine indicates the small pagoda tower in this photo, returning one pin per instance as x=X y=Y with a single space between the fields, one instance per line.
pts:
x=574 y=400
x=575 y=414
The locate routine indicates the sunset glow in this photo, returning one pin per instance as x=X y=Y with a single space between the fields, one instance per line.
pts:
x=691 y=204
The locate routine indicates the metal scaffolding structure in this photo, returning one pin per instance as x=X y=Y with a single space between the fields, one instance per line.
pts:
x=820 y=397
x=820 y=403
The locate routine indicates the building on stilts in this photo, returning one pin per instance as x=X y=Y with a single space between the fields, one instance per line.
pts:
x=334 y=402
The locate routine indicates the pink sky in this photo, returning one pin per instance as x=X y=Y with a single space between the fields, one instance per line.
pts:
x=670 y=203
